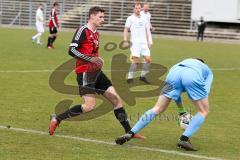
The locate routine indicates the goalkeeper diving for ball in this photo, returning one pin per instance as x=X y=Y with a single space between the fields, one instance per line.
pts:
x=192 y=76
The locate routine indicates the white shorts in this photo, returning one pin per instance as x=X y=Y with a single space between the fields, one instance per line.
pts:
x=40 y=27
x=138 y=50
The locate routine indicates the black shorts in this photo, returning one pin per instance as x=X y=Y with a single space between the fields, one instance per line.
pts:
x=53 y=30
x=93 y=82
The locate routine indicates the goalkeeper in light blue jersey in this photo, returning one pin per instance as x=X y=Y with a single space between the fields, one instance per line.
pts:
x=192 y=76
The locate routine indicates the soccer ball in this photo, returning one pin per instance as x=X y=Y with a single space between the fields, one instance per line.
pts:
x=184 y=120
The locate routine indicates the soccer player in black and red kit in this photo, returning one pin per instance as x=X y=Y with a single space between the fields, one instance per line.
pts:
x=90 y=78
x=53 y=25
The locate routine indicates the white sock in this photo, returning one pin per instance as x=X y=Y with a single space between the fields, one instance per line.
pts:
x=145 y=69
x=37 y=35
x=39 y=38
x=132 y=70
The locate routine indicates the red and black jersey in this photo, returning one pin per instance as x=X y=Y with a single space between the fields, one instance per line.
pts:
x=53 y=19
x=85 y=45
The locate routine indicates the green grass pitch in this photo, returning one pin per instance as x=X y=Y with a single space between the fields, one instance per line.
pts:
x=26 y=101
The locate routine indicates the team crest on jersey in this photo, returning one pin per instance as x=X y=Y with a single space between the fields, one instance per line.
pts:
x=140 y=23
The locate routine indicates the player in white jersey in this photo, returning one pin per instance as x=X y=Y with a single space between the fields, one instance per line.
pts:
x=39 y=25
x=139 y=41
x=145 y=13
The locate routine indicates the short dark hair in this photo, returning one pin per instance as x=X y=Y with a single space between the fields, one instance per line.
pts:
x=55 y=4
x=200 y=60
x=95 y=10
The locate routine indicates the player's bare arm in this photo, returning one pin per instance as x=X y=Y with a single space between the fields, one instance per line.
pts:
x=125 y=37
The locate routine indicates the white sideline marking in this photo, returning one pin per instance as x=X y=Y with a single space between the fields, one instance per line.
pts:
x=112 y=144
x=26 y=71
x=50 y=70
x=226 y=69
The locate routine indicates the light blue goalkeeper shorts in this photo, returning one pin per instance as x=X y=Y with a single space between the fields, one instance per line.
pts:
x=185 y=79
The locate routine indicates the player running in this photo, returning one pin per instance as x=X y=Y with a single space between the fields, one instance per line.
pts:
x=53 y=25
x=39 y=25
x=90 y=77
x=192 y=76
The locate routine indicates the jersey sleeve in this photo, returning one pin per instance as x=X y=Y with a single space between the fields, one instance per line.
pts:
x=128 y=23
x=77 y=40
x=53 y=18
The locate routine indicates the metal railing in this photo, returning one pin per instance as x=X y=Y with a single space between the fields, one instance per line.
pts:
x=19 y=12
x=171 y=17
x=15 y=19
x=8 y=8
x=73 y=13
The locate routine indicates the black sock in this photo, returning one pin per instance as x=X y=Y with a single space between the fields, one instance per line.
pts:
x=184 y=138
x=130 y=132
x=49 y=41
x=72 y=112
x=182 y=113
x=53 y=39
x=121 y=115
